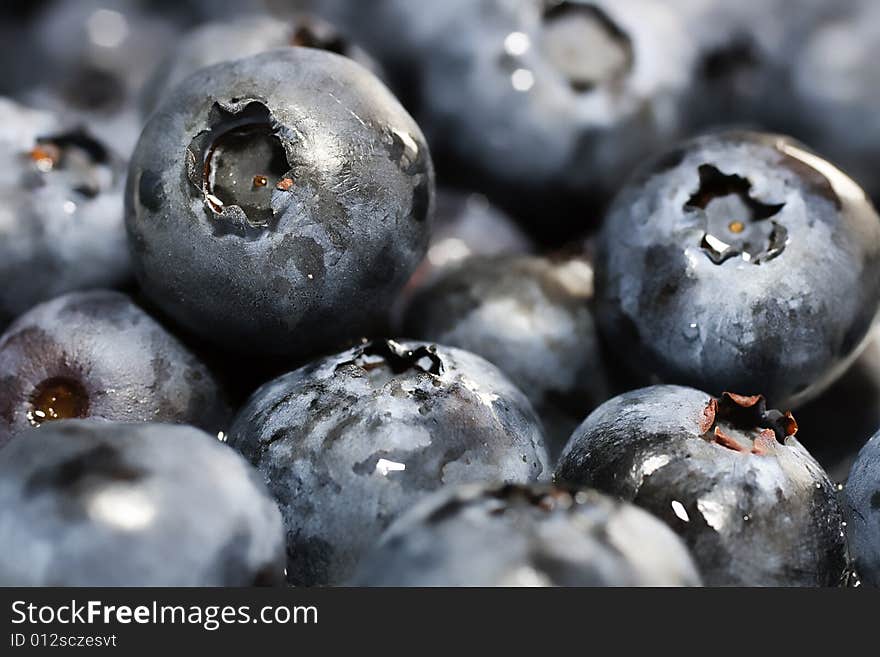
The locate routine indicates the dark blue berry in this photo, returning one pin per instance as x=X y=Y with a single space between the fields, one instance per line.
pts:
x=89 y=503
x=726 y=474
x=514 y=535
x=97 y=355
x=740 y=261
x=348 y=442
x=278 y=203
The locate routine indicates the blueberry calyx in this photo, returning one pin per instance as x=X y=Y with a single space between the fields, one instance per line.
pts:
x=57 y=398
x=736 y=224
x=733 y=421
x=396 y=357
x=585 y=45
x=237 y=164
x=77 y=138
x=75 y=152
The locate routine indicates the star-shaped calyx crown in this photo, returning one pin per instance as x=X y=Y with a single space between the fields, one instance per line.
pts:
x=736 y=224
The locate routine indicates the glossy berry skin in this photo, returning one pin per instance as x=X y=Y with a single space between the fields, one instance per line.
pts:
x=862 y=509
x=514 y=535
x=89 y=503
x=725 y=474
x=530 y=317
x=276 y=204
x=348 y=442
x=61 y=223
x=96 y=354
x=740 y=261
x=221 y=41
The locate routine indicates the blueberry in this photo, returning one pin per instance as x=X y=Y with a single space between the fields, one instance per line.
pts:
x=384 y=27
x=528 y=316
x=277 y=204
x=93 y=57
x=862 y=509
x=95 y=354
x=740 y=261
x=744 y=49
x=348 y=442
x=89 y=503
x=61 y=223
x=546 y=104
x=829 y=75
x=760 y=60
x=726 y=474
x=216 y=42
x=515 y=535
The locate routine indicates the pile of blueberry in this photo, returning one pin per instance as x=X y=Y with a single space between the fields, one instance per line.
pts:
x=261 y=326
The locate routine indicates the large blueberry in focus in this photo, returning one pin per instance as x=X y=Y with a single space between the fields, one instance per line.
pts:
x=221 y=41
x=530 y=317
x=514 y=535
x=89 y=503
x=278 y=203
x=348 y=442
x=862 y=508
x=726 y=474
x=61 y=223
x=97 y=355
x=740 y=261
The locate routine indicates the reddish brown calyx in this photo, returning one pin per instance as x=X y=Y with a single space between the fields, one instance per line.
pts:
x=727 y=441
x=764 y=443
x=743 y=423
x=45 y=156
x=746 y=401
x=709 y=413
